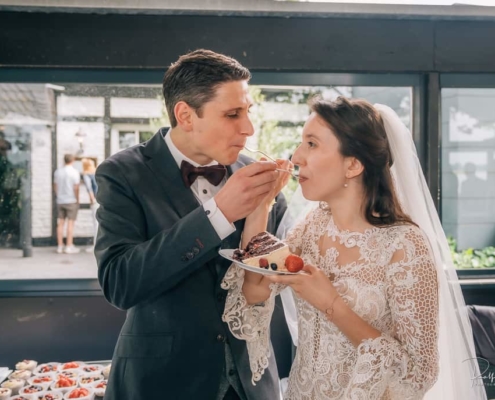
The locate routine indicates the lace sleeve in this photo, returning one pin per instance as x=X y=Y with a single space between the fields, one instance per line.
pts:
x=249 y=322
x=294 y=238
x=252 y=322
x=406 y=364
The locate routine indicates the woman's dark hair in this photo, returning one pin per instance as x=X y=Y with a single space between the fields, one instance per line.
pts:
x=359 y=129
x=195 y=76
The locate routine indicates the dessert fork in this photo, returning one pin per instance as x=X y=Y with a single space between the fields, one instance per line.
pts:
x=271 y=158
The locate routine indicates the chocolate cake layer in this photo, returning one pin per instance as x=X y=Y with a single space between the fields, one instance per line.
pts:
x=260 y=244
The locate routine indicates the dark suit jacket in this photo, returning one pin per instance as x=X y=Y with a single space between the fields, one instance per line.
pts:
x=157 y=256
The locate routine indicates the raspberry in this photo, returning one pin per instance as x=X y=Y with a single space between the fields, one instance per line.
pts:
x=263 y=263
x=294 y=263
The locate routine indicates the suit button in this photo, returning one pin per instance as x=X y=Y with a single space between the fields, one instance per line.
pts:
x=189 y=255
x=220 y=338
x=195 y=250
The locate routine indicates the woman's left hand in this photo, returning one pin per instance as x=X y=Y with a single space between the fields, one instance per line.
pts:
x=312 y=285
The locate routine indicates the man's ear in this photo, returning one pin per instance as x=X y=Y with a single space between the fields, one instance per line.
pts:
x=354 y=168
x=184 y=116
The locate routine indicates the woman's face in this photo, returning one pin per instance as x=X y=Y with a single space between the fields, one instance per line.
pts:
x=322 y=169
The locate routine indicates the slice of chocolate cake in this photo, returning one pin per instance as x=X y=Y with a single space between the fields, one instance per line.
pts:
x=264 y=250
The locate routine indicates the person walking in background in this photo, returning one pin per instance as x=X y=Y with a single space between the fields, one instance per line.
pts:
x=89 y=169
x=66 y=182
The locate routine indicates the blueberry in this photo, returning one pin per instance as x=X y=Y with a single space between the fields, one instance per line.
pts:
x=273 y=266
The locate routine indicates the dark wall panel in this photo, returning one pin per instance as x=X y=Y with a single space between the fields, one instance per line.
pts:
x=57 y=329
x=148 y=41
x=465 y=46
x=83 y=328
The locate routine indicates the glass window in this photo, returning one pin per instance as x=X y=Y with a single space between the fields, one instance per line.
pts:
x=468 y=174
x=40 y=123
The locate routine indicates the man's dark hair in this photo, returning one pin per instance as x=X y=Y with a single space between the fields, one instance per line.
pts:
x=68 y=158
x=195 y=76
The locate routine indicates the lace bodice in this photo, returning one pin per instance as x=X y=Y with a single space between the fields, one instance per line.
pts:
x=387 y=277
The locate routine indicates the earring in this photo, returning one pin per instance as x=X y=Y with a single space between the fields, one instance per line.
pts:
x=346 y=184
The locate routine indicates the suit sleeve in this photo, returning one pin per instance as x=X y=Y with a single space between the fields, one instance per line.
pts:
x=131 y=267
x=276 y=214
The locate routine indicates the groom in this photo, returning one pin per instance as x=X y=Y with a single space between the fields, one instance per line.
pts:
x=162 y=219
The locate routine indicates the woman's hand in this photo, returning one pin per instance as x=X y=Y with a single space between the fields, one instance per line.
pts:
x=317 y=289
x=312 y=285
x=282 y=180
x=264 y=208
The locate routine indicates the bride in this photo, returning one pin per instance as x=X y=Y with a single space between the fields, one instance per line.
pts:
x=380 y=314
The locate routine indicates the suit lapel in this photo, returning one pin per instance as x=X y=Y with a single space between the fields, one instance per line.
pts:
x=162 y=164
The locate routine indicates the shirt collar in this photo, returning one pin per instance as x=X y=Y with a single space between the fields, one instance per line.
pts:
x=178 y=155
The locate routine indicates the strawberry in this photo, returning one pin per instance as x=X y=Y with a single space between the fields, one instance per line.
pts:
x=263 y=263
x=70 y=365
x=76 y=393
x=294 y=263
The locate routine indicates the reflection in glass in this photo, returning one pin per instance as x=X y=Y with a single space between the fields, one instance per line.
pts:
x=10 y=195
x=468 y=166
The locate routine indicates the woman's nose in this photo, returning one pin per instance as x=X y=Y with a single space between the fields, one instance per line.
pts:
x=296 y=158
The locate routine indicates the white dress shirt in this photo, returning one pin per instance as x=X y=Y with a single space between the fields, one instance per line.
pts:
x=204 y=192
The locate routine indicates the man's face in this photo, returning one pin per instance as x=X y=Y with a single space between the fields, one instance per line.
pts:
x=224 y=126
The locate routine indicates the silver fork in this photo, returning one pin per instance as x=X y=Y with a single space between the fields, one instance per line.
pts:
x=271 y=158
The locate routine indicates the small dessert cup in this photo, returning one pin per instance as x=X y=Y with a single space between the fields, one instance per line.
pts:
x=24 y=374
x=47 y=368
x=106 y=370
x=100 y=387
x=71 y=365
x=26 y=364
x=80 y=393
x=22 y=397
x=68 y=373
x=14 y=385
x=50 y=395
x=63 y=384
x=43 y=378
x=33 y=389
x=5 y=393
x=87 y=380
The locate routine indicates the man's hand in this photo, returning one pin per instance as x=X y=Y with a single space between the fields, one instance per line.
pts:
x=245 y=189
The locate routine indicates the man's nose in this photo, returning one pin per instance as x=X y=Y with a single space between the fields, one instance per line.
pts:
x=247 y=127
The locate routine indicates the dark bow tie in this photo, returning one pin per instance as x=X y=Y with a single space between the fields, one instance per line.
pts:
x=213 y=174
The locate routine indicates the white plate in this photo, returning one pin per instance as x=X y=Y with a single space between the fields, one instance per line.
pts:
x=227 y=253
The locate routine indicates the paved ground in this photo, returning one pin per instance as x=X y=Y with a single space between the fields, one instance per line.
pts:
x=46 y=264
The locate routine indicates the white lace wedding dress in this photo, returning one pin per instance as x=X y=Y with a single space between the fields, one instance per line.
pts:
x=386 y=275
